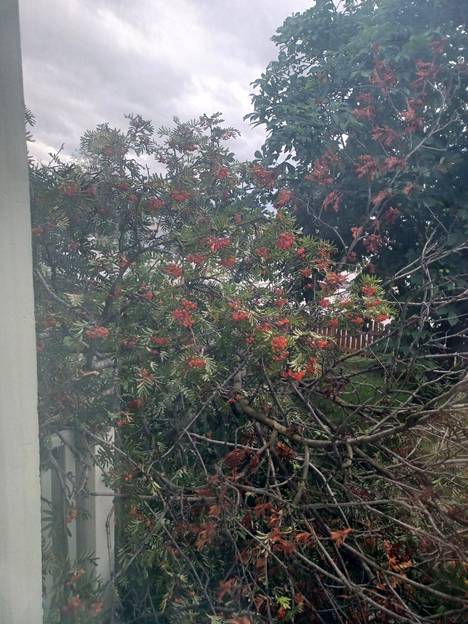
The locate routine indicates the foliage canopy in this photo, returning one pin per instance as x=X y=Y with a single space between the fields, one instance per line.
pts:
x=365 y=110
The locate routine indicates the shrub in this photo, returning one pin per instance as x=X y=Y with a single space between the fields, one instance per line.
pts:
x=260 y=472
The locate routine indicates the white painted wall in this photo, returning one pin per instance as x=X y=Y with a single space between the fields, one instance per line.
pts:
x=20 y=538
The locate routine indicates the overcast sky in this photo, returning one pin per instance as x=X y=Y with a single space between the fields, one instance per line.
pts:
x=89 y=61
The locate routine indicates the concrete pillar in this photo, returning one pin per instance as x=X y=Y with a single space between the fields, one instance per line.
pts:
x=20 y=523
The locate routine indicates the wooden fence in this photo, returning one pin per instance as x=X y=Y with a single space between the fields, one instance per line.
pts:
x=349 y=341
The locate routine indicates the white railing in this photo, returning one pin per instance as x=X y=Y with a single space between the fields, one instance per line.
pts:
x=77 y=523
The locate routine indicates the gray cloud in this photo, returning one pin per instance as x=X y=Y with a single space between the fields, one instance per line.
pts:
x=89 y=61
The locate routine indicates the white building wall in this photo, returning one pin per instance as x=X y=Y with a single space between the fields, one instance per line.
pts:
x=20 y=524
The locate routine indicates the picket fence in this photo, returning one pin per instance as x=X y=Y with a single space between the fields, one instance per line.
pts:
x=352 y=342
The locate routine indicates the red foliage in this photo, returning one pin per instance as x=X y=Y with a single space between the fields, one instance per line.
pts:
x=206 y=534
x=222 y=173
x=393 y=162
x=364 y=112
x=367 y=167
x=236 y=457
x=154 y=204
x=228 y=262
x=262 y=252
x=385 y=135
x=321 y=173
x=240 y=315
x=174 y=270
x=196 y=258
x=383 y=75
x=189 y=305
x=183 y=318
x=333 y=201
x=216 y=243
x=96 y=333
x=391 y=215
x=372 y=243
x=369 y=291
x=285 y=240
x=284 y=197
x=180 y=196
x=340 y=535
x=294 y=375
x=285 y=451
x=380 y=197
x=264 y=177
x=196 y=362
x=279 y=343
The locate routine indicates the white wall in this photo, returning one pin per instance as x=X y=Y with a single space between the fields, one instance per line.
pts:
x=20 y=539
